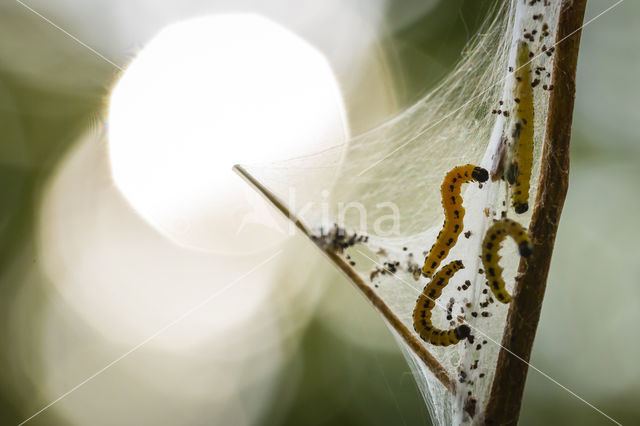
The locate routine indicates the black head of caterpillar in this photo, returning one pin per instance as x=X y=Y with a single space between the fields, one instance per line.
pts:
x=520 y=207
x=462 y=332
x=453 y=213
x=427 y=300
x=525 y=249
x=492 y=243
x=479 y=174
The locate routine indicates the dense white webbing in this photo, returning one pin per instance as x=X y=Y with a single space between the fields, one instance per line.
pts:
x=395 y=171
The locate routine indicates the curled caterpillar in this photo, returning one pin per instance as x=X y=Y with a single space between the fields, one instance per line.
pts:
x=519 y=170
x=453 y=213
x=425 y=303
x=490 y=257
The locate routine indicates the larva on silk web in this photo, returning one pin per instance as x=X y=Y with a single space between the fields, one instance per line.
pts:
x=425 y=303
x=453 y=213
x=492 y=244
x=519 y=171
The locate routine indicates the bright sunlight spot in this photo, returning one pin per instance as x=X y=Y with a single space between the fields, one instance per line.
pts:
x=203 y=95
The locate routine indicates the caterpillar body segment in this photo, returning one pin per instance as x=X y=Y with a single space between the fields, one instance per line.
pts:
x=492 y=243
x=453 y=212
x=519 y=171
x=427 y=300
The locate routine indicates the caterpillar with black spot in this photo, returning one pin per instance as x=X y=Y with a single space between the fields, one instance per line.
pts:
x=425 y=303
x=519 y=170
x=490 y=258
x=453 y=213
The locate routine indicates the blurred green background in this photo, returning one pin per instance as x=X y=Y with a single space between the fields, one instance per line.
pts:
x=341 y=364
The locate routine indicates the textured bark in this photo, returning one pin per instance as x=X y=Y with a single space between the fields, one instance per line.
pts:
x=507 y=389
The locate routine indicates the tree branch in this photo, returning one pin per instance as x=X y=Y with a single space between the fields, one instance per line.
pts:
x=416 y=345
x=507 y=388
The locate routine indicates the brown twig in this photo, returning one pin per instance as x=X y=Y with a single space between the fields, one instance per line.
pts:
x=507 y=388
x=403 y=331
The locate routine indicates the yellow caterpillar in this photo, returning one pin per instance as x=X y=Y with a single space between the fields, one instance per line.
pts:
x=519 y=171
x=453 y=213
x=490 y=257
x=425 y=303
